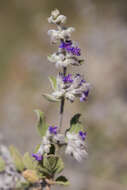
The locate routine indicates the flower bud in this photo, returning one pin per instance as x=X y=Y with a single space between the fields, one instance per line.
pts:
x=55 y=13
x=31 y=176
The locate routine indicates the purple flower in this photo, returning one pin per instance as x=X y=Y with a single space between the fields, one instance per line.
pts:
x=37 y=156
x=82 y=135
x=74 y=50
x=67 y=79
x=70 y=48
x=65 y=44
x=82 y=81
x=53 y=129
x=84 y=96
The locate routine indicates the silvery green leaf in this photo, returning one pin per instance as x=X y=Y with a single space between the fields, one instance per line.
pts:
x=2 y=164
x=29 y=163
x=75 y=124
x=51 y=98
x=37 y=148
x=75 y=128
x=59 y=166
x=53 y=82
x=49 y=162
x=41 y=123
x=53 y=164
x=46 y=163
x=22 y=185
x=45 y=171
x=62 y=180
x=17 y=158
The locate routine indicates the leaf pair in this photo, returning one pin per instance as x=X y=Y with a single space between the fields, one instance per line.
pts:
x=22 y=163
x=52 y=165
x=17 y=158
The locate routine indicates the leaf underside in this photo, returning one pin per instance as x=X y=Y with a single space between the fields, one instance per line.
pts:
x=41 y=123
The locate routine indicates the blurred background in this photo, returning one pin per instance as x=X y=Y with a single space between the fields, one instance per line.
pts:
x=101 y=30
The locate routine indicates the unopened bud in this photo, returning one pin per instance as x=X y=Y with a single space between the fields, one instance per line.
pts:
x=31 y=176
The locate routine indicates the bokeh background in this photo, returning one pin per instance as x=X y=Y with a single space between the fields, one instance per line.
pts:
x=101 y=30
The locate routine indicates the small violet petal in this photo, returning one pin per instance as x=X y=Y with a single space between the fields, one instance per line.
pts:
x=37 y=156
x=53 y=129
x=82 y=135
x=71 y=49
x=67 y=79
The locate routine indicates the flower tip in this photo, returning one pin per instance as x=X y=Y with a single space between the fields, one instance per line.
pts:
x=53 y=129
x=55 y=13
x=37 y=157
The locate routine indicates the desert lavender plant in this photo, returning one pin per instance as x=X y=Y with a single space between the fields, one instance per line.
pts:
x=43 y=167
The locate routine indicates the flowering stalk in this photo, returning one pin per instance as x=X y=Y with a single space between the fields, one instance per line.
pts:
x=62 y=104
x=46 y=162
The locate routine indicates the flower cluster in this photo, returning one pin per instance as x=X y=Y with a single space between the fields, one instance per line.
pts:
x=74 y=50
x=65 y=86
x=71 y=86
x=62 y=60
x=46 y=143
x=56 y=18
x=42 y=168
x=76 y=145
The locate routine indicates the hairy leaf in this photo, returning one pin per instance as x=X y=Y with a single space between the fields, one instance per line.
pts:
x=53 y=82
x=41 y=123
x=37 y=148
x=29 y=163
x=46 y=163
x=53 y=164
x=50 y=98
x=2 y=164
x=75 y=124
x=45 y=171
x=59 y=166
x=62 y=180
x=22 y=185
x=17 y=158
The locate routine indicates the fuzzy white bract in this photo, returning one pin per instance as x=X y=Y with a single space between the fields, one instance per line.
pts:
x=77 y=88
x=45 y=146
x=76 y=147
x=61 y=60
x=59 y=34
x=56 y=18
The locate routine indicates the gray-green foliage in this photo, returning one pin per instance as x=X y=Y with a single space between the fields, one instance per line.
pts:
x=17 y=158
x=75 y=124
x=53 y=82
x=62 y=180
x=42 y=126
x=29 y=162
x=2 y=164
x=53 y=164
x=47 y=164
x=50 y=98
